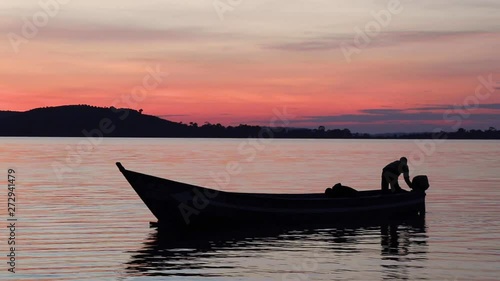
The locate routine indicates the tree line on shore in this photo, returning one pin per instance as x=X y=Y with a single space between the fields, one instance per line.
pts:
x=79 y=120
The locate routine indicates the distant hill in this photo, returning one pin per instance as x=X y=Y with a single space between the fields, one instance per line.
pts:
x=4 y=114
x=85 y=120
x=73 y=120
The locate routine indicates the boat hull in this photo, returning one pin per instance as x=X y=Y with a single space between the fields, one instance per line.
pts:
x=185 y=205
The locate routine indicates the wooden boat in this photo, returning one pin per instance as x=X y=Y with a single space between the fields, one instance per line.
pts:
x=186 y=205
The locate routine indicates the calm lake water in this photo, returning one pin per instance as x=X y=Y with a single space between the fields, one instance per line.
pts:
x=88 y=224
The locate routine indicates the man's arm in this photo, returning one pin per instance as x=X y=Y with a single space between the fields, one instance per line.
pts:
x=407 y=179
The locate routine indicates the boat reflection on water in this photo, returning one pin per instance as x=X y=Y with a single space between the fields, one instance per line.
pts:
x=389 y=249
x=403 y=247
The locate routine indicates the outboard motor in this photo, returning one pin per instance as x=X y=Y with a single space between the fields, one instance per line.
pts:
x=420 y=183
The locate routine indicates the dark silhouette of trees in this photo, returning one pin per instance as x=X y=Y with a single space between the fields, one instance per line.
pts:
x=73 y=120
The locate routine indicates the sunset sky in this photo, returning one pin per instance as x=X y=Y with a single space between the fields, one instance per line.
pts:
x=238 y=65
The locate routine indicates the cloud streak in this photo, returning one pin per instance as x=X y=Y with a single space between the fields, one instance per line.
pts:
x=75 y=31
x=416 y=117
x=384 y=39
x=495 y=106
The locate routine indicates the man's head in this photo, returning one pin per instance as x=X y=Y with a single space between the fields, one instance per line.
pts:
x=403 y=160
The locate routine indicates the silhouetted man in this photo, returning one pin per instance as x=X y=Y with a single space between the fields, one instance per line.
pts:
x=391 y=172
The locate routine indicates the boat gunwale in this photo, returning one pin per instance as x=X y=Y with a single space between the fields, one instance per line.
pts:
x=282 y=196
